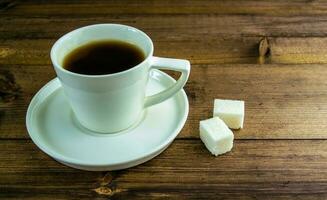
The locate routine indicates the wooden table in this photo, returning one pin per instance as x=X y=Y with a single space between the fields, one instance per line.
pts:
x=272 y=54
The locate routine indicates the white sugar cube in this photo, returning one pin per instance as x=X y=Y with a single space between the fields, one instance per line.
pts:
x=216 y=136
x=230 y=111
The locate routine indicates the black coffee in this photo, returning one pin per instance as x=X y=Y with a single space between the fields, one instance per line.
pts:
x=103 y=57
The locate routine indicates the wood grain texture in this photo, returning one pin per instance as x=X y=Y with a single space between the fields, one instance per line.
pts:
x=282 y=101
x=152 y=7
x=220 y=50
x=281 y=169
x=178 y=26
x=269 y=53
x=298 y=50
x=198 y=51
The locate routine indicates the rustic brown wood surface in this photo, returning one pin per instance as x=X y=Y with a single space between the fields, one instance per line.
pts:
x=272 y=54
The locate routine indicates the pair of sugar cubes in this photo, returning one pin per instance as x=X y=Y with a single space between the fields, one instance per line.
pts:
x=215 y=132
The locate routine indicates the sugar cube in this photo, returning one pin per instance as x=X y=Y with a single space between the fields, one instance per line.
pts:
x=230 y=111
x=216 y=136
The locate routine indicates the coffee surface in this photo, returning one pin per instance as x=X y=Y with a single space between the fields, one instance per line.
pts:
x=103 y=57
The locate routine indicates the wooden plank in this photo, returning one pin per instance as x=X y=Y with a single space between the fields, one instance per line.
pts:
x=297 y=50
x=212 y=50
x=282 y=169
x=282 y=101
x=220 y=50
x=188 y=27
x=77 y=8
x=215 y=50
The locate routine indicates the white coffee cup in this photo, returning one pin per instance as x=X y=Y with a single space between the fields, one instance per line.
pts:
x=113 y=102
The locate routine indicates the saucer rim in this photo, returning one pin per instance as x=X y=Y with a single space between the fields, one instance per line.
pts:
x=113 y=165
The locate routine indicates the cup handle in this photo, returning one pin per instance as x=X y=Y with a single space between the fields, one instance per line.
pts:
x=180 y=65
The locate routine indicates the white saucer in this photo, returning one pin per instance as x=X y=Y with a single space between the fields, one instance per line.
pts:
x=52 y=126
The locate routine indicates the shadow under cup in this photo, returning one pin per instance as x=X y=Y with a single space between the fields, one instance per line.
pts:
x=104 y=103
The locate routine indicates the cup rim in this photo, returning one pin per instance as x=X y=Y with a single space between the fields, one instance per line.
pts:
x=59 y=67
